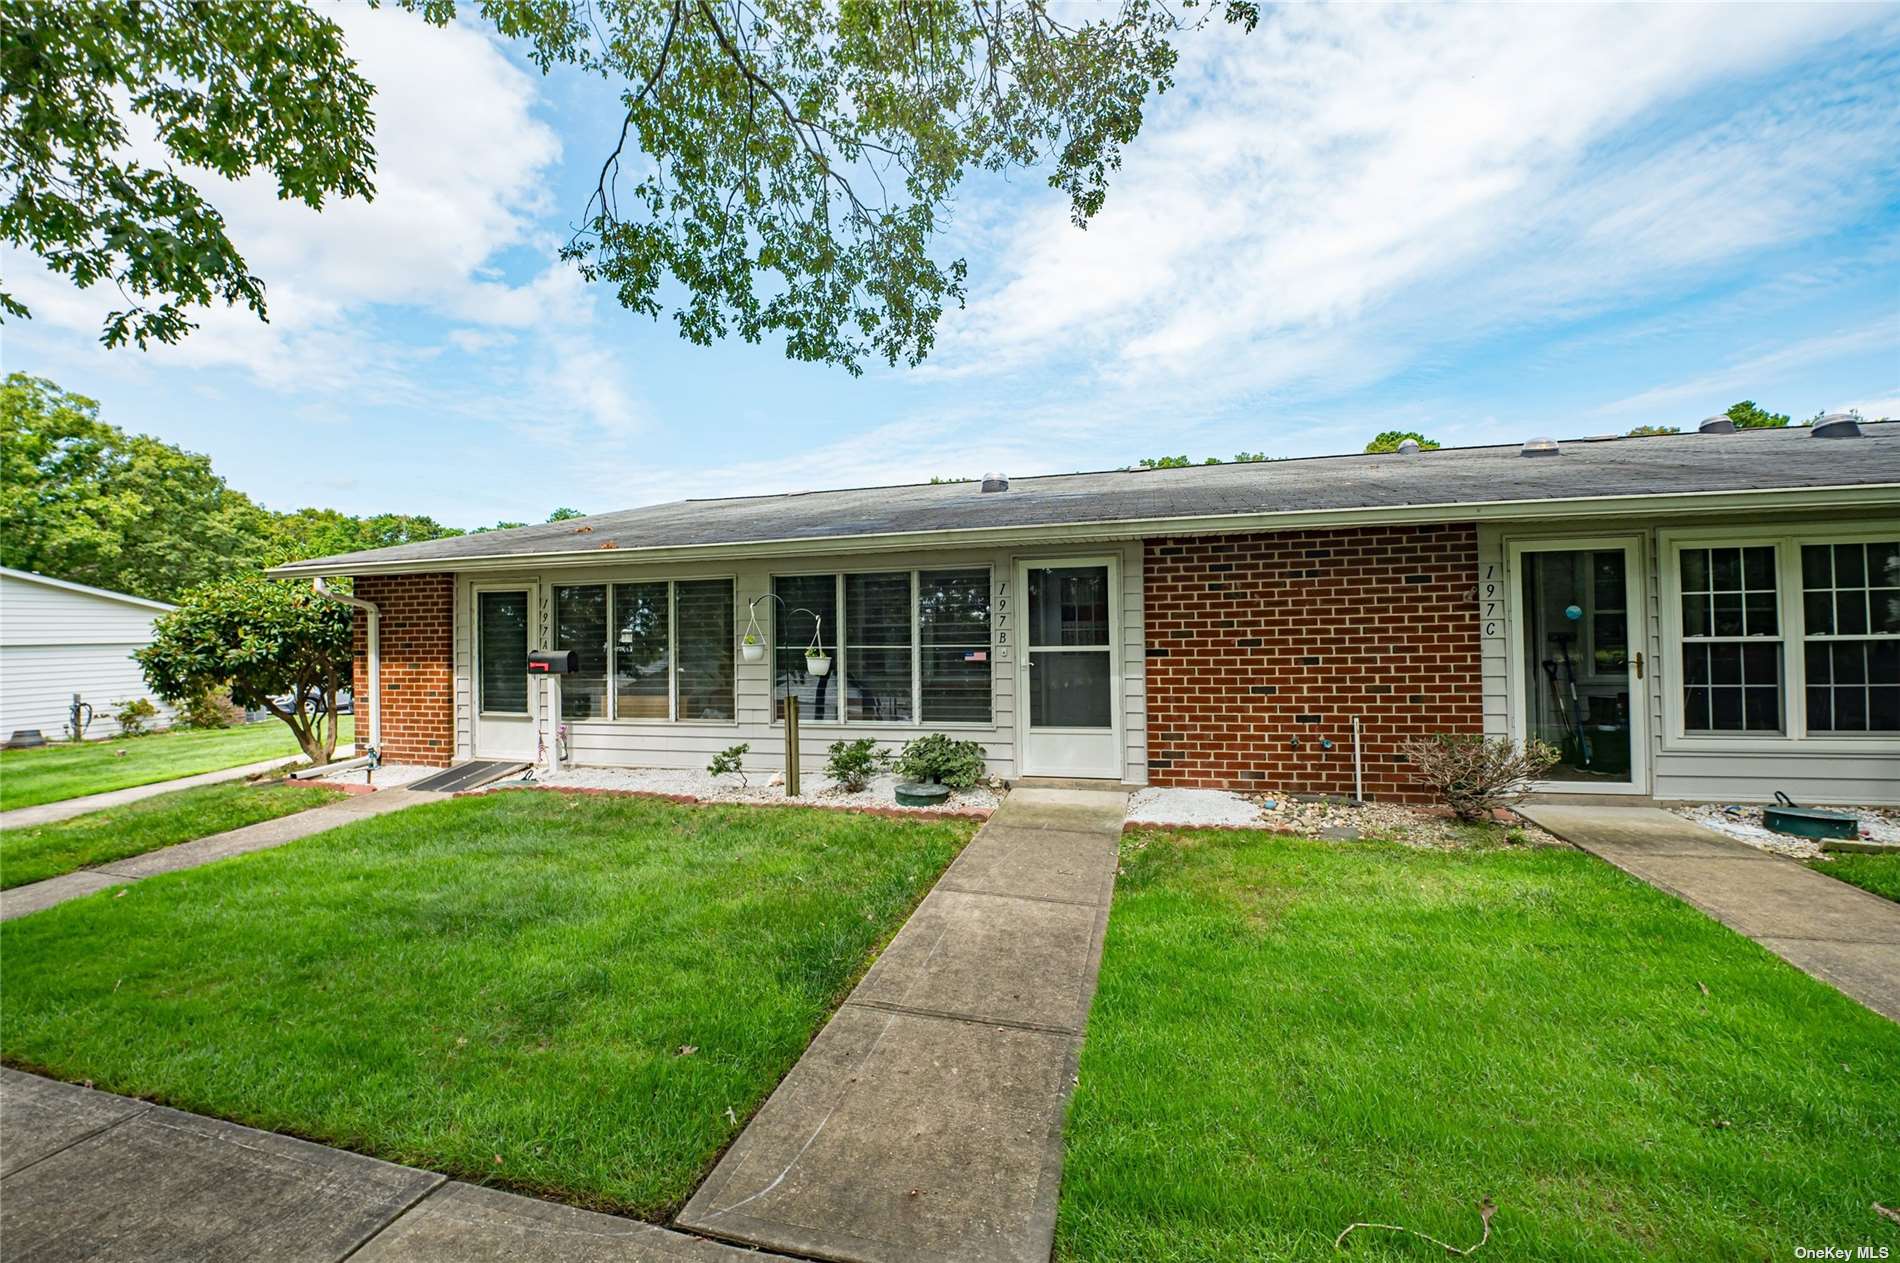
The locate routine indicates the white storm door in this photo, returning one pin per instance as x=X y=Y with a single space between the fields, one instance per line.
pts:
x=504 y=695
x=1070 y=715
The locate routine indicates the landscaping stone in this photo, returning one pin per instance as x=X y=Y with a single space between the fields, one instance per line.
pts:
x=1743 y=822
x=167 y=1185
x=817 y=789
x=39 y=1117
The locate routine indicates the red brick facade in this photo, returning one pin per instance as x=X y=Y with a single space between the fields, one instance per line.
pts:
x=418 y=659
x=1258 y=641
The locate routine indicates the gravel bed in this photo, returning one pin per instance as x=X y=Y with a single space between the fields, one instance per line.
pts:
x=1217 y=808
x=817 y=790
x=1743 y=823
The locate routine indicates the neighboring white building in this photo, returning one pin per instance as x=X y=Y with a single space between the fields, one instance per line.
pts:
x=59 y=638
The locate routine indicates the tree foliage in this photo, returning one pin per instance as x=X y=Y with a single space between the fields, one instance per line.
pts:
x=1389 y=440
x=782 y=166
x=307 y=533
x=1643 y=431
x=275 y=645
x=1747 y=415
x=85 y=501
x=230 y=88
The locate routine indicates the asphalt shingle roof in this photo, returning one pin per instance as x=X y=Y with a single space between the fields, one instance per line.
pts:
x=1665 y=465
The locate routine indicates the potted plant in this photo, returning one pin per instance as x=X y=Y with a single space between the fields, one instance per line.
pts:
x=817 y=661
x=750 y=649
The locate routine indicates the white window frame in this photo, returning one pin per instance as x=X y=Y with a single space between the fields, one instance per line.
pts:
x=839 y=655
x=672 y=582
x=1792 y=621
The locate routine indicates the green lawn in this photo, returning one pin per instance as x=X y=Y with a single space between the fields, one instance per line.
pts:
x=57 y=772
x=1878 y=873
x=99 y=837
x=1291 y=1036
x=496 y=987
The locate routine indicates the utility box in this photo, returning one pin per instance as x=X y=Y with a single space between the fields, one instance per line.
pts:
x=553 y=662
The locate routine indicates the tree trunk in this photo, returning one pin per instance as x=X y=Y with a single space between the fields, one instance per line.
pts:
x=302 y=728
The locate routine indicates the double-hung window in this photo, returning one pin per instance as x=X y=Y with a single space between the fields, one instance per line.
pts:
x=906 y=646
x=1850 y=603
x=1797 y=635
x=1731 y=640
x=666 y=647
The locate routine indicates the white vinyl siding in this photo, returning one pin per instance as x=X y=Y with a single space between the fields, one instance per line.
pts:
x=58 y=640
x=640 y=742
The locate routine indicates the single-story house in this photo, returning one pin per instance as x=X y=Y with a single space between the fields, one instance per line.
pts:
x=60 y=639
x=1710 y=615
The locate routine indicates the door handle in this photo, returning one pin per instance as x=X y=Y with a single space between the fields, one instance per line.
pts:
x=1639 y=666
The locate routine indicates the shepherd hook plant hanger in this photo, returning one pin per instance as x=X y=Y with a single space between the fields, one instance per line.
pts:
x=752 y=629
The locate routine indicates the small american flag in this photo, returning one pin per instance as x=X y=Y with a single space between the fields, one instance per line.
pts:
x=977 y=655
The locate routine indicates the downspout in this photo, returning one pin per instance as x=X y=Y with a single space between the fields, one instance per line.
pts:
x=322 y=589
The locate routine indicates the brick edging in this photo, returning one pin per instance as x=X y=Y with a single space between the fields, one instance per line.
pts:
x=894 y=813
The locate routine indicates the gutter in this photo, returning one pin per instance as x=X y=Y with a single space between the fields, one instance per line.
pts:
x=1877 y=496
x=322 y=589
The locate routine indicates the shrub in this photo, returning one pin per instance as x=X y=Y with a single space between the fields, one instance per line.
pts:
x=958 y=764
x=728 y=760
x=210 y=708
x=1476 y=774
x=135 y=717
x=853 y=763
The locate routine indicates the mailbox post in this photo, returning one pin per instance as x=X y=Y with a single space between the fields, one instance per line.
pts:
x=551 y=665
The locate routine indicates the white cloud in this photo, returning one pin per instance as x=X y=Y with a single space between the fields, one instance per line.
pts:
x=1746 y=372
x=1350 y=188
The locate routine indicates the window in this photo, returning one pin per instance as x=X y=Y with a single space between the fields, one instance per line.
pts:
x=953 y=621
x=805 y=597
x=580 y=624
x=1731 y=640
x=703 y=614
x=653 y=678
x=642 y=662
x=501 y=620
x=877 y=647
x=904 y=644
x=1850 y=602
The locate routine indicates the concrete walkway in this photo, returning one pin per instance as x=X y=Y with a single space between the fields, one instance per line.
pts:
x=88 y=1175
x=925 y=1121
x=67 y=808
x=21 y=900
x=1839 y=933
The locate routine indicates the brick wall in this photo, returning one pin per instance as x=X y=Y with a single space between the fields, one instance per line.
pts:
x=418 y=658
x=1255 y=640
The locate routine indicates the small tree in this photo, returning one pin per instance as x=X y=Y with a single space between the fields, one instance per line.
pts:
x=278 y=646
x=1389 y=440
x=1476 y=774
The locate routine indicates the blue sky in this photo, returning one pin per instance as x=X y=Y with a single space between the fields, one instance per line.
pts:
x=1479 y=222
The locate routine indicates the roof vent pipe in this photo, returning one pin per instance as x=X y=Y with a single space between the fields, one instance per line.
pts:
x=1408 y=447
x=322 y=589
x=1717 y=424
x=1837 y=425
x=1539 y=447
x=995 y=482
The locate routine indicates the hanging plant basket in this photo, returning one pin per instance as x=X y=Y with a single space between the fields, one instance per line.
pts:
x=751 y=650
x=752 y=643
x=818 y=663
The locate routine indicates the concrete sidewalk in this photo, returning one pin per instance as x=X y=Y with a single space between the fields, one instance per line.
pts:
x=925 y=1121
x=67 y=808
x=1839 y=933
x=87 y=1175
x=21 y=900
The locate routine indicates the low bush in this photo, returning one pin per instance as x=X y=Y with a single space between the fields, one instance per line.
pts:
x=727 y=761
x=135 y=717
x=210 y=708
x=853 y=763
x=958 y=764
x=1475 y=775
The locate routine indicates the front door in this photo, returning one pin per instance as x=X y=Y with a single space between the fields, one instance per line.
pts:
x=1070 y=714
x=504 y=696
x=1578 y=670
